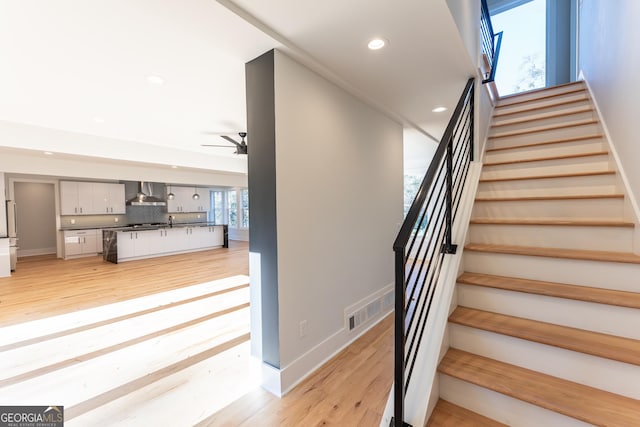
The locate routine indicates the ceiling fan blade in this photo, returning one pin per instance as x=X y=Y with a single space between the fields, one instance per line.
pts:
x=230 y=140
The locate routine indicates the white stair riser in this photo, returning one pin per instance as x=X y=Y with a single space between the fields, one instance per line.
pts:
x=557 y=149
x=590 y=184
x=607 y=275
x=543 y=95
x=598 y=372
x=548 y=167
x=543 y=135
x=565 y=209
x=500 y=407
x=509 y=125
x=615 y=239
x=603 y=318
x=548 y=106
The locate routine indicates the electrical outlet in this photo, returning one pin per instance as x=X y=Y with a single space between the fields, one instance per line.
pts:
x=116 y=219
x=304 y=327
x=198 y=216
x=73 y=221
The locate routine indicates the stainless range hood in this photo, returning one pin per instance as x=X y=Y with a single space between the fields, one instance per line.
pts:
x=145 y=197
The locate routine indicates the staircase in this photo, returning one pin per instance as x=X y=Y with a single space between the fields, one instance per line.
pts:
x=547 y=325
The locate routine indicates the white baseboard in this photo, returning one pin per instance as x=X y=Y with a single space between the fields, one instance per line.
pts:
x=633 y=203
x=280 y=382
x=239 y=234
x=35 y=252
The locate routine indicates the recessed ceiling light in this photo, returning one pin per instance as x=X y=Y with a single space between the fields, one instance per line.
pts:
x=48 y=153
x=377 y=43
x=155 y=80
x=98 y=119
x=439 y=109
x=174 y=167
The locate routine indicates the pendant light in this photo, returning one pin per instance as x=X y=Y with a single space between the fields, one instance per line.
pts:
x=195 y=196
x=170 y=196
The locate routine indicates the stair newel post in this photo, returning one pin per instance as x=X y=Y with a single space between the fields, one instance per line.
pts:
x=449 y=247
x=398 y=403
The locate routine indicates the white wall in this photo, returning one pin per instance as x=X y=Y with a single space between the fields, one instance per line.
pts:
x=467 y=17
x=339 y=204
x=68 y=166
x=18 y=135
x=608 y=58
x=418 y=151
x=3 y=212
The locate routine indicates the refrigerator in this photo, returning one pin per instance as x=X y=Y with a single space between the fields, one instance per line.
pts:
x=12 y=233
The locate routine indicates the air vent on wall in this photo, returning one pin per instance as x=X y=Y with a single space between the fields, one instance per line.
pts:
x=382 y=305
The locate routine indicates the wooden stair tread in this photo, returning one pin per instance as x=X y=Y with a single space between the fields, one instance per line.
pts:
x=578 y=401
x=549 y=176
x=558 y=290
x=446 y=414
x=577 y=254
x=554 y=221
x=538 y=107
x=543 y=116
x=546 y=158
x=512 y=99
x=545 y=128
x=550 y=197
x=548 y=142
x=624 y=350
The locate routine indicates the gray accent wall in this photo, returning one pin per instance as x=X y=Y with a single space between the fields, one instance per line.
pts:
x=3 y=211
x=36 y=218
x=326 y=194
x=263 y=234
x=559 y=30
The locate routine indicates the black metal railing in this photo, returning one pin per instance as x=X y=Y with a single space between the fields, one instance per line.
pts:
x=491 y=43
x=425 y=238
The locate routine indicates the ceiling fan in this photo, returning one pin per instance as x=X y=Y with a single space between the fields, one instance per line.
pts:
x=241 y=147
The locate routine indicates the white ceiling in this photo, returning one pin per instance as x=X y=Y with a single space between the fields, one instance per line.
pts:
x=82 y=66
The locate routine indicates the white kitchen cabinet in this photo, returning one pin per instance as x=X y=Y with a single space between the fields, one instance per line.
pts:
x=151 y=242
x=76 y=198
x=206 y=237
x=180 y=239
x=164 y=241
x=198 y=237
x=108 y=198
x=184 y=202
x=141 y=244
x=202 y=204
x=82 y=242
x=126 y=244
x=91 y=198
x=214 y=236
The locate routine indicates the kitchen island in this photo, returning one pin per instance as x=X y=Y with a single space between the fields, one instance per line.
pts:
x=131 y=243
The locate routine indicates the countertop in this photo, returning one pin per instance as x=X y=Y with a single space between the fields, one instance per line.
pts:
x=141 y=227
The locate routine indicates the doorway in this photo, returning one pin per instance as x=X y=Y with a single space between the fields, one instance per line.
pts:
x=36 y=218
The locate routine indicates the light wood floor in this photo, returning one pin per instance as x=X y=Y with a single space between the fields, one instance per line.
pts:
x=43 y=286
x=350 y=390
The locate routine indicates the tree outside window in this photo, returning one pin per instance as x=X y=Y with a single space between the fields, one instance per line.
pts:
x=232 y=208
x=244 y=202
